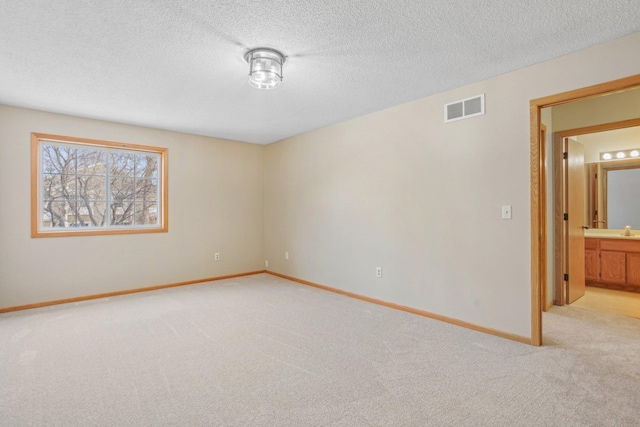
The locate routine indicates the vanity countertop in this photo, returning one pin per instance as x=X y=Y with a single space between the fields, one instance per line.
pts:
x=611 y=234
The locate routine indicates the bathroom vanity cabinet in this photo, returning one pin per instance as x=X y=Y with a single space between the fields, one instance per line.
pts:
x=612 y=263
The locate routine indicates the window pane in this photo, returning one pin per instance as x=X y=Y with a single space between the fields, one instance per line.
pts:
x=75 y=217
x=57 y=214
x=91 y=213
x=91 y=161
x=123 y=164
x=122 y=189
x=58 y=187
x=146 y=190
x=146 y=213
x=58 y=159
x=147 y=166
x=122 y=213
x=92 y=187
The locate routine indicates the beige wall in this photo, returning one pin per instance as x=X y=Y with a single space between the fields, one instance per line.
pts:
x=404 y=191
x=215 y=205
x=620 y=139
x=596 y=111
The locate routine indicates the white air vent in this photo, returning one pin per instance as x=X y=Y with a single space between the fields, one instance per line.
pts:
x=464 y=109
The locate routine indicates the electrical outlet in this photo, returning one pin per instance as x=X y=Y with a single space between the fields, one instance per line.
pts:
x=266 y=263
x=217 y=256
x=506 y=212
x=286 y=255
x=378 y=271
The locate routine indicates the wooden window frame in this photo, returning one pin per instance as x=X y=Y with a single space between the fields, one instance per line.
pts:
x=36 y=200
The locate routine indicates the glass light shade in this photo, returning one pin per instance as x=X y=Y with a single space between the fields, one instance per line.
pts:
x=607 y=156
x=635 y=153
x=620 y=155
x=265 y=67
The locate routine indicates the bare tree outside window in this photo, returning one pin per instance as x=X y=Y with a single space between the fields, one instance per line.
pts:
x=88 y=187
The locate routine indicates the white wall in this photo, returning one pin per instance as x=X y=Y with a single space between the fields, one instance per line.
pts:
x=402 y=190
x=215 y=205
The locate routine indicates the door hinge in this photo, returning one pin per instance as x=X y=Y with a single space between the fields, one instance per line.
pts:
x=565 y=155
x=596 y=176
x=566 y=277
x=566 y=217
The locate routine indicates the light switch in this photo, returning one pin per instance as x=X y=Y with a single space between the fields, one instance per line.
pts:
x=506 y=212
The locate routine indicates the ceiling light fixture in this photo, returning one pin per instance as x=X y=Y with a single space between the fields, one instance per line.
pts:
x=265 y=67
x=620 y=154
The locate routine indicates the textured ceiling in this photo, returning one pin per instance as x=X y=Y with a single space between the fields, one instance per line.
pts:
x=179 y=65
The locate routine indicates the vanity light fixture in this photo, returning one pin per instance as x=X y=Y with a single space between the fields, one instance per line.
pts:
x=265 y=67
x=620 y=154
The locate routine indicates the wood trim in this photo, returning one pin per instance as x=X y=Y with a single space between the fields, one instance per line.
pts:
x=620 y=164
x=450 y=320
x=538 y=198
x=592 y=195
x=164 y=158
x=549 y=305
x=71 y=233
x=34 y=184
x=125 y=292
x=98 y=142
x=538 y=208
x=35 y=179
x=604 y=193
x=543 y=218
x=619 y=85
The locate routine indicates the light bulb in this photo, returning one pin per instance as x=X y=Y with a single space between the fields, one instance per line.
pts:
x=635 y=153
x=607 y=156
x=620 y=155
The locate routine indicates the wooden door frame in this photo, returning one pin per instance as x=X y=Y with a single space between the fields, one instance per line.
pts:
x=538 y=190
x=543 y=217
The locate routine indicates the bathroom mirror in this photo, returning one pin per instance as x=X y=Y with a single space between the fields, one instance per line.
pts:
x=613 y=196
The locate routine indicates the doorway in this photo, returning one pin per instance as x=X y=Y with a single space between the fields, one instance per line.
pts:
x=599 y=144
x=538 y=191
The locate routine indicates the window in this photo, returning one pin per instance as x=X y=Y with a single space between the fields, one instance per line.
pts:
x=86 y=187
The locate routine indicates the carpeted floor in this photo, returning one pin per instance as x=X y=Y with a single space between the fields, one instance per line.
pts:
x=262 y=351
